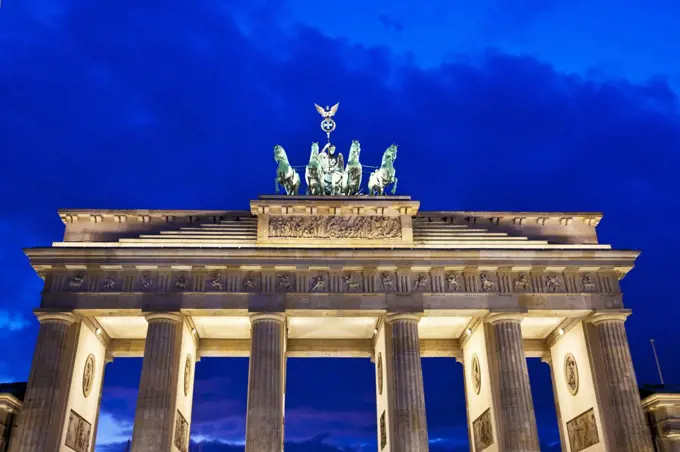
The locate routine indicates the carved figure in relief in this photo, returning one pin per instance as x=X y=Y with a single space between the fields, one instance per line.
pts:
x=387 y=281
x=453 y=282
x=476 y=374
x=582 y=431
x=145 y=281
x=216 y=281
x=187 y=374
x=385 y=175
x=77 y=281
x=571 y=373
x=383 y=431
x=286 y=176
x=182 y=282
x=88 y=375
x=283 y=282
x=552 y=284
x=487 y=284
x=319 y=283
x=248 y=283
x=351 y=180
x=351 y=284
x=587 y=282
x=482 y=431
x=522 y=283
x=78 y=433
x=109 y=282
x=181 y=433
x=420 y=283
x=314 y=173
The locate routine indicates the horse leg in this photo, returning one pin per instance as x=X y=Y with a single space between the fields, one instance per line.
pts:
x=394 y=187
x=276 y=184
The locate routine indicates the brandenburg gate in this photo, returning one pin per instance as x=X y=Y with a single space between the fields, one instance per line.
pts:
x=334 y=276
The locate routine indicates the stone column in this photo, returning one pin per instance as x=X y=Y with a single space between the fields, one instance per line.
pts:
x=516 y=407
x=266 y=380
x=407 y=395
x=630 y=430
x=156 y=402
x=40 y=419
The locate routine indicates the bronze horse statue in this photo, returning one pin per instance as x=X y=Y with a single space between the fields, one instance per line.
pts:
x=385 y=175
x=286 y=176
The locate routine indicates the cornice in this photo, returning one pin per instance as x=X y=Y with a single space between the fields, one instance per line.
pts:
x=518 y=217
x=434 y=255
x=494 y=217
x=141 y=215
x=616 y=262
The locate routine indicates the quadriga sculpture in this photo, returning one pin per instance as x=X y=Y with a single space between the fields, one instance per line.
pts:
x=286 y=176
x=384 y=175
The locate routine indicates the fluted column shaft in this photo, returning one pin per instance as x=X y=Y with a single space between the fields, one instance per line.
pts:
x=407 y=399
x=631 y=433
x=264 y=418
x=517 y=417
x=35 y=431
x=156 y=402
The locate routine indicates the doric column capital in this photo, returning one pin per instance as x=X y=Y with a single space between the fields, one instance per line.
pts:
x=604 y=316
x=410 y=316
x=276 y=316
x=495 y=317
x=64 y=317
x=166 y=315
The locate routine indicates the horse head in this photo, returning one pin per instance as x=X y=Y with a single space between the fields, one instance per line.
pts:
x=390 y=155
x=280 y=154
x=354 y=152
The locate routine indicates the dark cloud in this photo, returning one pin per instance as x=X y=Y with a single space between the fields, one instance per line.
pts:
x=171 y=106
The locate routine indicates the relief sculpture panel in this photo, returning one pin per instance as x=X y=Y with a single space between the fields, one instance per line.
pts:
x=78 y=433
x=359 y=227
x=582 y=431
x=383 y=432
x=483 y=431
x=181 y=433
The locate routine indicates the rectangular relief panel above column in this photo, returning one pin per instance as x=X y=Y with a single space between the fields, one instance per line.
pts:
x=334 y=222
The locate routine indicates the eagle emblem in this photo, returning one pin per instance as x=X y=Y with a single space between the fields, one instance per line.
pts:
x=328 y=112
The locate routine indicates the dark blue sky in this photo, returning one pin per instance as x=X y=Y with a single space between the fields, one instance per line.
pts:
x=500 y=104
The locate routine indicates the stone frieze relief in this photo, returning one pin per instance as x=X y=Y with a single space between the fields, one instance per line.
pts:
x=380 y=281
x=355 y=227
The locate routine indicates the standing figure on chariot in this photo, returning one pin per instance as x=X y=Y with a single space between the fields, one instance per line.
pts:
x=333 y=168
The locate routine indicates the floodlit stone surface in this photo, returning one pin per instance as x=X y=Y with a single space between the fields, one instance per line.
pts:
x=368 y=277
